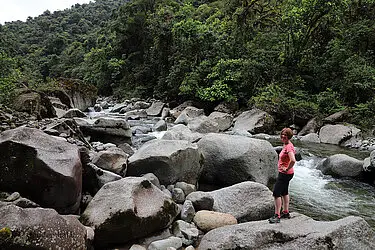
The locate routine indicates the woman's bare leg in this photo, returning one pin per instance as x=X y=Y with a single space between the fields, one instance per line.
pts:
x=277 y=205
x=285 y=202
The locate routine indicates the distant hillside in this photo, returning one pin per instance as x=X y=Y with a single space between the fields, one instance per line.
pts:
x=54 y=43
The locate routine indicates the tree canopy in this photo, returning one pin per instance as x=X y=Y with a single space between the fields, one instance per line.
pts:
x=293 y=58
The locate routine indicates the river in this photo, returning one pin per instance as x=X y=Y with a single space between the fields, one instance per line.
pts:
x=323 y=197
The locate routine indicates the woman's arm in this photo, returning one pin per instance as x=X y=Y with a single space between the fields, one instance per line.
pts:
x=292 y=160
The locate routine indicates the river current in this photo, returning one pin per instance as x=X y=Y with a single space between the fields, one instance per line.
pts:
x=323 y=197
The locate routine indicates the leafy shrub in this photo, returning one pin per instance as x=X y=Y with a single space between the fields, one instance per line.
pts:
x=224 y=80
x=9 y=76
x=269 y=99
x=286 y=106
x=363 y=114
x=328 y=102
x=359 y=80
x=7 y=88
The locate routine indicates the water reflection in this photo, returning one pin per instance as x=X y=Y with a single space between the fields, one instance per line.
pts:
x=324 y=150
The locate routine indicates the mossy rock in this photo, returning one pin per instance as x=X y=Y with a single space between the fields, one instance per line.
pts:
x=5 y=234
x=78 y=86
x=33 y=103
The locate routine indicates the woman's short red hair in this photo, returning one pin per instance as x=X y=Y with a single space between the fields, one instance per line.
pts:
x=288 y=132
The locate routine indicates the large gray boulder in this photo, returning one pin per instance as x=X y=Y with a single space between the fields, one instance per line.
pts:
x=112 y=159
x=106 y=125
x=74 y=113
x=231 y=159
x=312 y=137
x=224 y=120
x=312 y=126
x=255 y=121
x=246 y=201
x=40 y=228
x=119 y=106
x=155 y=109
x=170 y=160
x=82 y=99
x=203 y=124
x=128 y=209
x=337 y=117
x=106 y=129
x=334 y=134
x=201 y=200
x=299 y=232
x=141 y=105
x=341 y=165
x=43 y=168
x=181 y=132
x=356 y=139
x=68 y=127
x=187 y=114
x=175 y=112
x=33 y=103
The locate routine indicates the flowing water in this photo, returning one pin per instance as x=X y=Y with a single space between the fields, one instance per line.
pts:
x=323 y=197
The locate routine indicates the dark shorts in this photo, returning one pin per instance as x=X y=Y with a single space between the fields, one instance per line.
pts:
x=281 y=187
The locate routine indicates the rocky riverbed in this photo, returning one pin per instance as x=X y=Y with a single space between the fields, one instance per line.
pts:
x=139 y=175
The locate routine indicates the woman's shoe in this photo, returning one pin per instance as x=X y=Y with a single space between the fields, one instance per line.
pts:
x=274 y=219
x=284 y=215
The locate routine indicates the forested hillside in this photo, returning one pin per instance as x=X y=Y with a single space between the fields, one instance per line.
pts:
x=293 y=58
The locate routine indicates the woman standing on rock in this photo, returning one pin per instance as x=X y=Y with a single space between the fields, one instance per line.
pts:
x=286 y=171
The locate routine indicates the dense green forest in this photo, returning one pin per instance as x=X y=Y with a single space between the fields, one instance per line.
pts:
x=295 y=59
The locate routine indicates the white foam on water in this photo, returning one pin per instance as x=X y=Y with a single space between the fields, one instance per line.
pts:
x=319 y=192
x=157 y=134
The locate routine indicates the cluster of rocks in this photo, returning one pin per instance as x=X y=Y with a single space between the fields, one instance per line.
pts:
x=187 y=122
x=345 y=135
x=150 y=212
x=10 y=119
x=106 y=181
